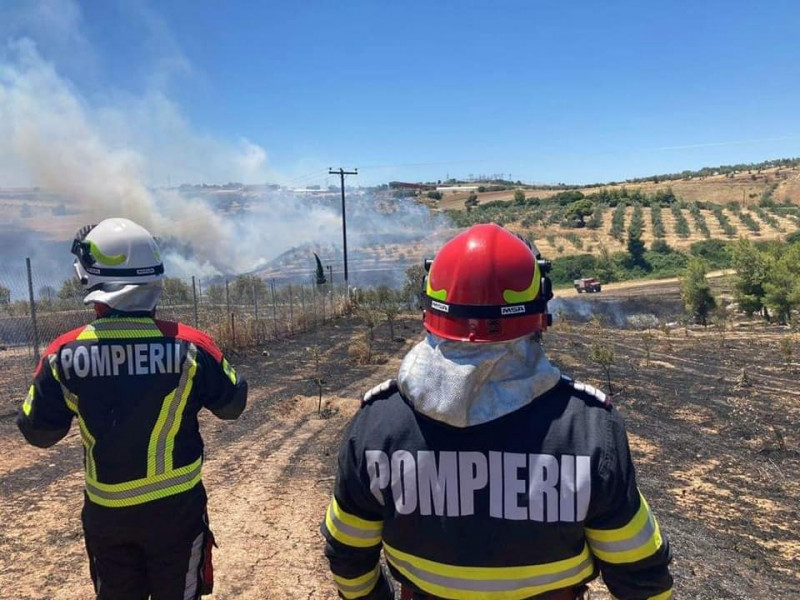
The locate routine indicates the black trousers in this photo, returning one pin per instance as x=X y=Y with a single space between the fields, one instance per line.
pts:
x=149 y=551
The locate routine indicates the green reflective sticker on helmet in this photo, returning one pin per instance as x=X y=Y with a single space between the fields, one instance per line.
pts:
x=440 y=295
x=527 y=295
x=107 y=260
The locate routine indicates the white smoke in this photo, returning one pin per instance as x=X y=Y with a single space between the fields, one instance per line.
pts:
x=111 y=153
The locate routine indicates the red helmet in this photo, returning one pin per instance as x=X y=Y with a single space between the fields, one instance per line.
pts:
x=486 y=285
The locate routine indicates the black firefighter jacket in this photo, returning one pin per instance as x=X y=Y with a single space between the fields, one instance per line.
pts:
x=538 y=500
x=135 y=386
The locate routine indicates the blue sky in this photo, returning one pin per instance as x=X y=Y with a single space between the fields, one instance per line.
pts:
x=544 y=91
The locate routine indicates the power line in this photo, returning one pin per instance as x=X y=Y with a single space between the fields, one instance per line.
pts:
x=341 y=173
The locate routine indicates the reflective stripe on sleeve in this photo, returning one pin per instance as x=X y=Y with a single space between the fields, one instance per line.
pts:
x=637 y=540
x=147 y=489
x=490 y=583
x=27 y=405
x=351 y=530
x=357 y=586
x=662 y=596
x=230 y=372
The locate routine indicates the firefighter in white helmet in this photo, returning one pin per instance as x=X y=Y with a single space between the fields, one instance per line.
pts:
x=135 y=386
x=481 y=471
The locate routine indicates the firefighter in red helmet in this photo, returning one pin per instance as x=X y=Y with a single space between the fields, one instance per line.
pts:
x=482 y=472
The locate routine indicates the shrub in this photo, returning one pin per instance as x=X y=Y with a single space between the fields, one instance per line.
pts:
x=618 y=223
x=681 y=224
x=658 y=223
x=699 y=220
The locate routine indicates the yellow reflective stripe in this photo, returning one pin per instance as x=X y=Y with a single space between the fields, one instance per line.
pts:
x=435 y=294
x=527 y=295
x=190 y=366
x=357 y=586
x=139 y=491
x=162 y=438
x=27 y=405
x=229 y=370
x=490 y=583
x=117 y=334
x=351 y=530
x=662 y=596
x=106 y=259
x=121 y=328
x=637 y=540
x=625 y=532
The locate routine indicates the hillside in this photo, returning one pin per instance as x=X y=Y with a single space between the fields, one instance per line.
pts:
x=760 y=205
x=747 y=184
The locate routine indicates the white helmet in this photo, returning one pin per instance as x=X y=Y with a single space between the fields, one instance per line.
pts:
x=119 y=263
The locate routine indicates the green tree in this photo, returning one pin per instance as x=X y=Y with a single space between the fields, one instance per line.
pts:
x=71 y=290
x=5 y=296
x=216 y=293
x=634 y=243
x=176 y=291
x=578 y=211
x=244 y=287
x=782 y=285
x=519 y=197
x=606 y=269
x=412 y=286
x=751 y=274
x=695 y=291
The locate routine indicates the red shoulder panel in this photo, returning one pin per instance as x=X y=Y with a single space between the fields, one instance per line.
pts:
x=190 y=334
x=62 y=340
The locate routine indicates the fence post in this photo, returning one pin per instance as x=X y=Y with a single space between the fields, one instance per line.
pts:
x=274 y=310
x=227 y=296
x=255 y=310
x=303 y=306
x=33 y=311
x=291 y=311
x=233 y=329
x=194 y=300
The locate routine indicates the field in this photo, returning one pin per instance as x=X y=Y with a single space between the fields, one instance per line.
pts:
x=719 y=189
x=713 y=417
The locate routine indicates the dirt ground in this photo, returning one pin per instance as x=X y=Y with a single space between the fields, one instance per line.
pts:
x=717 y=457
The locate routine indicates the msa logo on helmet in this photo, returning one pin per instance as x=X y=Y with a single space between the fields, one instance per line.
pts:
x=149 y=271
x=440 y=306
x=511 y=310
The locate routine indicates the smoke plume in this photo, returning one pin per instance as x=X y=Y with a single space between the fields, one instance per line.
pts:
x=110 y=154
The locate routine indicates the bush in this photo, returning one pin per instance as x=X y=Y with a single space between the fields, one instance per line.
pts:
x=681 y=224
x=715 y=252
x=566 y=269
x=618 y=223
x=699 y=221
x=658 y=224
x=749 y=222
x=661 y=246
x=434 y=195
x=724 y=222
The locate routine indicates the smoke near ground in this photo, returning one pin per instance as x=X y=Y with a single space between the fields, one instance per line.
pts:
x=111 y=152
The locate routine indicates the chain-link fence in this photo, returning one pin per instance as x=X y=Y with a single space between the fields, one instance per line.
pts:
x=240 y=312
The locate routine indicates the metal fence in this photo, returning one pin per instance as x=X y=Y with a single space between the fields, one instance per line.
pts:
x=239 y=312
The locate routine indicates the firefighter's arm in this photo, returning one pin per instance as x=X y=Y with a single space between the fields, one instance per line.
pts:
x=353 y=527
x=223 y=392
x=44 y=417
x=622 y=531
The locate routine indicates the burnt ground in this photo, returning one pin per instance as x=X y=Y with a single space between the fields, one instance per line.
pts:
x=717 y=456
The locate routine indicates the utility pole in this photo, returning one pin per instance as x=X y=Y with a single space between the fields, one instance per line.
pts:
x=341 y=173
